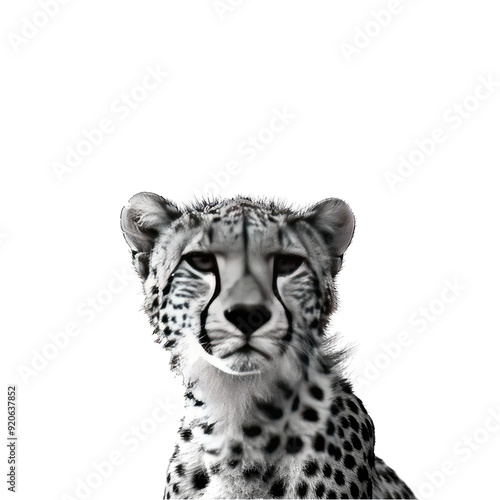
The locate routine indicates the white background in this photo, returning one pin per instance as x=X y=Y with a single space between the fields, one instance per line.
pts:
x=61 y=243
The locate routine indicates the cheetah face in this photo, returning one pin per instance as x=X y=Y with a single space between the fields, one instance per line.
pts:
x=243 y=285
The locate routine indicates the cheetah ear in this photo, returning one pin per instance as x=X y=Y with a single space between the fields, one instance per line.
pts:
x=141 y=222
x=335 y=222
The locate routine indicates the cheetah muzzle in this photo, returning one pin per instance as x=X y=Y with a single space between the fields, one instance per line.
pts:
x=240 y=292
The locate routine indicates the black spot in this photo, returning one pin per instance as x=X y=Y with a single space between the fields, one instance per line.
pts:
x=344 y=495
x=330 y=429
x=316 y=392
x=334 y=409
x=354 y=423
x=314 y=324
x=354 y=490
x=320 y=490
x=339 y=402
x=339 y=477
x=356 y=441
x=346 y=386
x=189 y=395
x=251 y=472
x=327 y=470
x=334 y=451
x=233 y=463
x=272 y=444
x=175 y=488
x=349 y=461
x=186 y=434
x=371 y=458
x=251 y=430
x=200 y=479
x=311 y=468
x=340 y=432
x=295 y=403
x=207 y=428
x=363 y=474
x=164 y=318
x=319 y=443
x=302 y=490
x=237 y=449
x=278 y=488
x=272 y=412
x=369 y=426
x=347 y=445
x=310 y=414
x=179 y=468
x=168 y=477
x=364 y=433
x=352 y=406
x=331 y=494
x=344 y=422
x=285 y=388
x=304 y=358
x=294 y=444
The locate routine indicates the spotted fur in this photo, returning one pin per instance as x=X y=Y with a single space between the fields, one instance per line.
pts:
x=240 y=291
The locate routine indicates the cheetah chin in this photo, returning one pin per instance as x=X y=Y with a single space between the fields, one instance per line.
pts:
x=240 y=293
x=239 y=368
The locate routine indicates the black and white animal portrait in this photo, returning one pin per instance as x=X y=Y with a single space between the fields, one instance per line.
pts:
x=240 y=291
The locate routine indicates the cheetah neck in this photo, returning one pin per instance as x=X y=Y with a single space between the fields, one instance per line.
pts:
x=265 y=415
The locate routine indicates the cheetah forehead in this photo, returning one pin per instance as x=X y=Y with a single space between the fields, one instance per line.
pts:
x=237 y=224
x=233 y=210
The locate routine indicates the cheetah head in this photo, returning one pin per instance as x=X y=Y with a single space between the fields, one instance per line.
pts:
x=243 y=285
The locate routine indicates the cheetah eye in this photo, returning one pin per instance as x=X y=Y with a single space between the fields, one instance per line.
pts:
x=201 y=261
x=287 y=264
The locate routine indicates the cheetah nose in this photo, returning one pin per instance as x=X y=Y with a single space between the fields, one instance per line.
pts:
x=248 y=318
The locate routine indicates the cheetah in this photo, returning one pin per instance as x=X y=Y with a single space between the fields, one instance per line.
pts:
x=240 y=292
